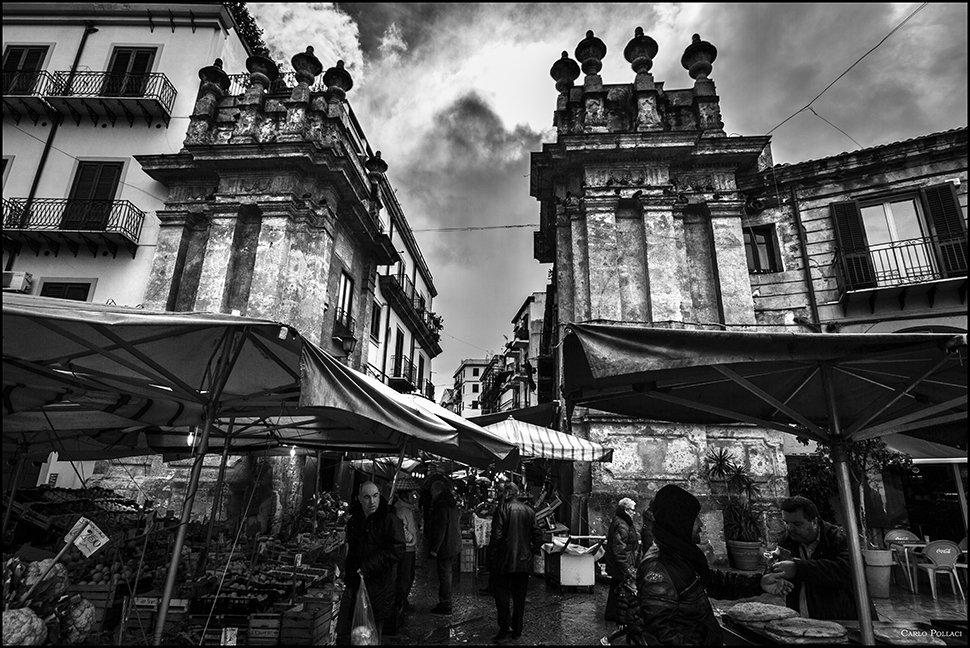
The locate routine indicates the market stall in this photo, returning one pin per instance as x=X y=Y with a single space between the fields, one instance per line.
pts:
x=828 y=388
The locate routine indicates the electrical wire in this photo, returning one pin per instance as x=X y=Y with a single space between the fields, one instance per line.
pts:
x=884 y=39
x=472 y=229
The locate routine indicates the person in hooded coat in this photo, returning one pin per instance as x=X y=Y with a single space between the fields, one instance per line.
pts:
x=674 y=581
x=375 y=545
x=444 y=541
x=622 y=552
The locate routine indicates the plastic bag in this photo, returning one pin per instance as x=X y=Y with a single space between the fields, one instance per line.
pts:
x=364 y=632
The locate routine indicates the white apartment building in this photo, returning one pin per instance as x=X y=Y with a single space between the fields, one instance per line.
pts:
x=468 y=386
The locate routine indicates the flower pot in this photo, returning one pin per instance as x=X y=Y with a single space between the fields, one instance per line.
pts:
x=879 y=562
x=744 y=555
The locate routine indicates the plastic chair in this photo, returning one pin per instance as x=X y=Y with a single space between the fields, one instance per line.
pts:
x=942 y=556
x=894 y=540
x=961 y=562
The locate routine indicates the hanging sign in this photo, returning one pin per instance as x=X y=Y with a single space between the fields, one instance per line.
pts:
x=299 y=560
x=229 y=636
x=86 y=536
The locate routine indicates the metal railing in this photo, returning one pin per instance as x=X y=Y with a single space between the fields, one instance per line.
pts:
x=283 y=84
x=901 y=263
x=118 y=216
x=343 y=323
x=402 y=368
x=428 y=390
x=154 y=85
x=26 y=83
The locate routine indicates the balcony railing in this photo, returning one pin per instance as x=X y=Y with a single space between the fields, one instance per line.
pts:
x=26 y=83
x=402 y=369
x=57 y=214
x=901 y=263
x=109 y=94
x=344 y=325
x=428 y=390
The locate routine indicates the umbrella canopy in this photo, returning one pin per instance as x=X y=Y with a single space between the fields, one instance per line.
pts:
x=831 y=388
x=922 y=451
x=535 y=441
x=882 y=384
x=384 y=466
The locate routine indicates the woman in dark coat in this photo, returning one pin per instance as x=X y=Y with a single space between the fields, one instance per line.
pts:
x=375 y=545
x=622 y=552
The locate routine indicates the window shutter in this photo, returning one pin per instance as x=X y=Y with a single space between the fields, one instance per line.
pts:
x=33 y=59
x=121 y=61
x=850 y=235
x=141 y=62
x=948 y=227
x=11 y=59
x=107 y=183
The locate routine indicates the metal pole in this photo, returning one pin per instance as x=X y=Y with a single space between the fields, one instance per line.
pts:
x=840 y=457
x=400 y=462
x=216 y=497
x=17 y=473
x=961 y=492
x=222 y=375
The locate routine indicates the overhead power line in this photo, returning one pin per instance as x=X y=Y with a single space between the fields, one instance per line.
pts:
x=885 y=38
x=470 y=229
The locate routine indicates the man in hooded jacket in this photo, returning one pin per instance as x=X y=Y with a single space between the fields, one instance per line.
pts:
x=517 y=538
x=444 y=541
x=674 y=580
x=375 y=545
x=622 y=552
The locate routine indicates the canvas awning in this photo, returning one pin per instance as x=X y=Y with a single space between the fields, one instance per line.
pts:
x=925 y=452
x=546 y=443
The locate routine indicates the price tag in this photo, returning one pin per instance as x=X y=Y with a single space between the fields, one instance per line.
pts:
x=87 y=537
x=299 y=560
x=229 y=636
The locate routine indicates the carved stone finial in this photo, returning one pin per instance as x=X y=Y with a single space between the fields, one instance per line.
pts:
x=376 y=164
x=218 y=63
x=262 y=70
x=338 y=82
x=590 y=53
x=640 y=51
x=698 y=57
x=214 y=75
x=307 y=66
x=564 y=71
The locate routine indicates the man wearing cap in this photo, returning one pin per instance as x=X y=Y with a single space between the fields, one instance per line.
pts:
x=622 y=552
x=674 y=580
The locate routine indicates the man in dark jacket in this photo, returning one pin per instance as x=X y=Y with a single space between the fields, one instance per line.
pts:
x=375 y=545
x=674 y=579
x=444 y=541
x=517 y=538
x=815 y=556
x=622 y=552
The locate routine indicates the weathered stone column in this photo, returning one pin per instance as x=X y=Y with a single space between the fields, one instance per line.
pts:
x=640 y=52
x=272 y=260
x=307 y=67
x=262 y=72
x=667 y=273
x=564 y=268
x=631 y=264
x=604 y=259
x=319 y=245
x=162 y=279
x=576 y=213
x=218 y=258
x=215 y=83
x=734 y=283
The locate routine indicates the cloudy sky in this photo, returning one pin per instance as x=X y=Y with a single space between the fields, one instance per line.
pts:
x=456 y=96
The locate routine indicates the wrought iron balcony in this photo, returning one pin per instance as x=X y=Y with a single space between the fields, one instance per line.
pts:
x=344 y=325
x=53 y=221
x=23 y=92
x=399 y=291
x=401 y=373
x=428 y=390
x=108 y=95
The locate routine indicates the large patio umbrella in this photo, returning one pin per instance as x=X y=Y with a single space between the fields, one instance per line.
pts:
x=546 y=443
x=833 y=388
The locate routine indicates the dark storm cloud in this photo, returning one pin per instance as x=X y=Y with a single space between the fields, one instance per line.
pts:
x=417 y=21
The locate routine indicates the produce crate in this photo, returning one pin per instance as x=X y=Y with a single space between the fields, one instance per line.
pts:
x=309 y=624
x=102 y=595
x=468 y=558
x=264 y=629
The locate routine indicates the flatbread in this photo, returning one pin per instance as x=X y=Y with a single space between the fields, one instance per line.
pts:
x=907 y=637
x=760 y=613
x=800 y=627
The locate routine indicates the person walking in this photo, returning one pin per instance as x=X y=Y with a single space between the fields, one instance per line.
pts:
x=490 y=548
x=674 y=580
x=622 y=552
x=517 y=538
x=405 y=501
x=814 y=555
x=444 y=541
x=375 y=546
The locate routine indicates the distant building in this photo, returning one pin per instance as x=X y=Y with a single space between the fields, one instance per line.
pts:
x=468 y=386
x=509 y=379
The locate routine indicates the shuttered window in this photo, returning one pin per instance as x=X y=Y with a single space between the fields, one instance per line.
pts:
x=92 y=196
x=761 y=249
x=853 y=247
x=66 y=290
x=949 y=228
x=20 y=69
x=128 y=72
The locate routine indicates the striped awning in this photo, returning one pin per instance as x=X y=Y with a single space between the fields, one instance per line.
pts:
x=546 y=443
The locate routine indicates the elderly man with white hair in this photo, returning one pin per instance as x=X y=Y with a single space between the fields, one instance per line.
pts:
x=622 y=552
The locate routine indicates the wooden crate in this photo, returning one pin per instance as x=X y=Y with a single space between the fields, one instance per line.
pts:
x=102 y=595
x=264 y=629
x=309 y=624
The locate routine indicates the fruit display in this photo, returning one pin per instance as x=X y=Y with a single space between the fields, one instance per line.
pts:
x=50 y=614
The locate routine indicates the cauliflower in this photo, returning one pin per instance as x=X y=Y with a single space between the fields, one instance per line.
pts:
x=363 y=636
x=58 y=576
x=23 y=627
x=78 y=622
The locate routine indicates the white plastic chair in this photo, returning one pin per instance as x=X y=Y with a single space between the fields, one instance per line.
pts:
x=894 y=540
x=942 y=556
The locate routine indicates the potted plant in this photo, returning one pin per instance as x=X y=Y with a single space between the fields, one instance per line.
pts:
x=734 y=489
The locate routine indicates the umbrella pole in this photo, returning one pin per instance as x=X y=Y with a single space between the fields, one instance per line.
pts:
x=840 y=458
x=18 y=471
x=960 y=492
x=216 y=498
x=400 y=462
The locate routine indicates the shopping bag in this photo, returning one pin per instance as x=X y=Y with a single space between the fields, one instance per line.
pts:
x=628 y=605
x=364 y=632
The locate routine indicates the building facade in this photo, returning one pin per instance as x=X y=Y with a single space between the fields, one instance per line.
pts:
x=653 y=216
x=467 y=392
x=509 y=378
